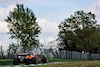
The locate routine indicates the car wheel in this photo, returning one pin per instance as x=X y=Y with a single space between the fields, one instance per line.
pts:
x=34 y=60
x=44 y=60
x=16 y=61
x=26 y=61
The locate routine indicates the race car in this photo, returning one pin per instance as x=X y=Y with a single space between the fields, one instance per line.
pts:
x=28 y=58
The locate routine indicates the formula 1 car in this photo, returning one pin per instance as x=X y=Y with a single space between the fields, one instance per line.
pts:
x=28 y=58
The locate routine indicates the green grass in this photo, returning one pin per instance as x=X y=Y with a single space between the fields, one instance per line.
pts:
x=62 y=60
x=6 y=61
x=10 y=61
x=70 y=63
x=74 y=64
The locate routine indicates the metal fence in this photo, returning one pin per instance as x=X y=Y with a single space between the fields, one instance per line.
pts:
x=63 y=54
x=58 y=54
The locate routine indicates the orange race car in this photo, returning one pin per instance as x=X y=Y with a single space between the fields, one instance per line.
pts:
x=28 y=58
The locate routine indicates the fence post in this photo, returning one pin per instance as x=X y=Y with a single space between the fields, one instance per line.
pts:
x=66 y=54
x=78 y=55
x=99 y=56
x=1 y=51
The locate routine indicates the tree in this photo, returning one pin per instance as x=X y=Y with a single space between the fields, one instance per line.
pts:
x=94 y=39
x=23 y=26
x=54 y=45
x=11 y=51
x=75 y=32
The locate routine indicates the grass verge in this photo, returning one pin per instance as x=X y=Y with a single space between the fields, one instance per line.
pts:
x=62 y=60
x=6 y=61
x=75 y=64
x=10 y=61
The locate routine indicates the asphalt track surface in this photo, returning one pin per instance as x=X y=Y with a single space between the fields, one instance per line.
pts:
x=22 y=65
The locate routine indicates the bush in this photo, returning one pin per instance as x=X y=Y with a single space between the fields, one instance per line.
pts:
x=6 y=61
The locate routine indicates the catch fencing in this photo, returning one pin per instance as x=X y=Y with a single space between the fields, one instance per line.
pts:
x=63 y=54
x=57 y=54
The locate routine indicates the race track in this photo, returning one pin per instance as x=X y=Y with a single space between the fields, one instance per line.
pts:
x=22 y=65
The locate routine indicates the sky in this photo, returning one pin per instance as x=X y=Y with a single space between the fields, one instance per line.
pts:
x=49 y=13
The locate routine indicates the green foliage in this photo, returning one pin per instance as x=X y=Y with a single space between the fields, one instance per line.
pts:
x=79 y=32
x=94 y=40
x=6 y=61
x=23 y=26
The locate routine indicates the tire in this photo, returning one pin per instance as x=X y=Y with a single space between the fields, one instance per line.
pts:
x=26 y=61
x=34 y=61
x=44 y=60
x=16 y=61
